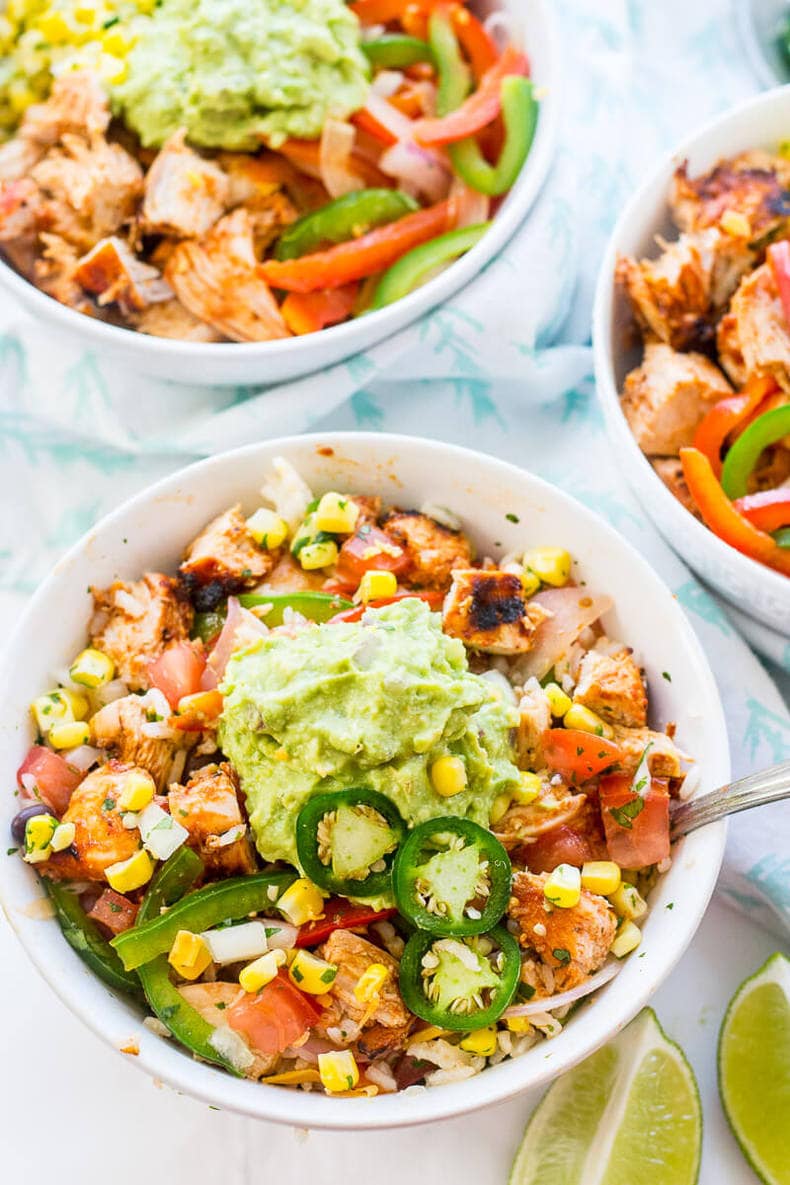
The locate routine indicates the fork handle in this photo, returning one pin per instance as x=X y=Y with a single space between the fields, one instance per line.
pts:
x=769 y=785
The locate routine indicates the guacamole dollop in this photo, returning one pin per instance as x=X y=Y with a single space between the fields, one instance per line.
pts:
x=235 y=72
x=364 y=704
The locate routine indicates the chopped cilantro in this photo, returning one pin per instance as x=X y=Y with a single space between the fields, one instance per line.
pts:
x=625 y=814
x=168 y=1012
x=670 y=905
x=108 y=804
x=562 y=955
x=512 y=518
x=222 y=1006
x=11 y=851
x=297 y=974
x=113 y=907
x=328 y=975
x=525 y=991
x=666 y=675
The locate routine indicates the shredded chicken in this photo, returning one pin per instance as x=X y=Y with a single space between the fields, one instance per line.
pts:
x=386 y=1020
x=556 y=807
x=434 y=551
x=77 y=105
x=113 y=273
x=171 y=319
x=100 y=838
x=534 y=718
x=54 y=273
x=664 y=758
x=120 y=728
x=133 y=623
x=208 y=806
x=756 y=340
x=185 y=194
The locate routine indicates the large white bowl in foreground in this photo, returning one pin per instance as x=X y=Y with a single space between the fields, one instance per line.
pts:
x=150 y=532
x=260 y=363
x=754 y=589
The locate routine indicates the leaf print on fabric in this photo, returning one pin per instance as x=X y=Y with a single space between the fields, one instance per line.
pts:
x=14 y=374
x=366 y=411
x=582 y=407
x=45 y=445
x=771 y=876
x=86 y=384
x=73 y=522
x=694 y=598
x=766 y=732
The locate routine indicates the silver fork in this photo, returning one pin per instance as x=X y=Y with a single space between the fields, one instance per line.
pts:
x=769 y=785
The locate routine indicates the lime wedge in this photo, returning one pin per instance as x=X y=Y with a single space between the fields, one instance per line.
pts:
x=754 y=1069
x=629 y=1113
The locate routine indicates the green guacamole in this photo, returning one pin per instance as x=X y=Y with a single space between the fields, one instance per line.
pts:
x=363 y=705
x=235 y=72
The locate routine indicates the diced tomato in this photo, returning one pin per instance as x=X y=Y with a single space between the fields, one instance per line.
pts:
x=578 y=755
x=369 y=550
x=54 y=780
x=275 y=1017
x=340 y=914
x=635 y=835
x=560 y=845
x=432 y=596
x=114 y=911
x=177 y=672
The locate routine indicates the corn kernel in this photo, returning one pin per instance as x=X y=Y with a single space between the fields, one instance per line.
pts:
x=375 y=586
x=58 y=707
x=518 y=1024
x=735 y=224
x=301 y=902
x=189 y=954
x=69 y=735
x=784 y=149
x=38 y=838
x=63 y=837
x=337 y=514
x=582 y=718
x=318 y=555
x=428 y=1034
x=529 y=788
x=256 y=975
x=91 y=668
x=601 y=876
x=267 y=529
x=116 y=42
x=482 y=1042
x=130 y=874
x=500 y=807
x=628 y=938
x=628 y=902
x=552 y=565
x=338 y=1070
x=311 y=974
x=370 y=982
x=20 y=98
x=559 y=702
x=529 y=582
x=448 y=776
x=54 y=27
x=563 y=886
x=85 y=14
x=138 y=790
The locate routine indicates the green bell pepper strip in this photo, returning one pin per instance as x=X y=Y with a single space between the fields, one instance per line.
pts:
x=428 y=868
x=85 y=938
x=198 y=911
x=206 y=626
x=435 y=1007
x=782 y=536
x=315 y=606
x=742 y=457
x=413 y=268
x=455 y=77
x=520 y=114
x=396 y=51
x=165 y=1000
x=375 y=884
x=345 y=218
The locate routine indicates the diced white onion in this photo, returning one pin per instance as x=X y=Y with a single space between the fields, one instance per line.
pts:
x=284 y=935
x=337 y=144
x=418 y=170
x=499 y=26
x=501 y=684
x=157 y=701
x=129 y=820
x=83 y=757
x=115 y=689
x=441 y=515
x=29 y=785
x=286 y=491
x=230 y=1045
x=236 y=944
x=536 y=1008
x=387 y=82
x=160 y=832
x=129 y=604
x=230 y=836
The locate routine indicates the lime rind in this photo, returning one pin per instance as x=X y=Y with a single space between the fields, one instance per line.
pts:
x=775 y=972
x=612 y=1118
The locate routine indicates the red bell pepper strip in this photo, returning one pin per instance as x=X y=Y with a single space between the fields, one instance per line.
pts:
x=476 y=42
x=725 y=416
x=779 y=259
x=355 y=260
x=769 y=509
x=340 y=913
x=431 y=597
x=479 y=110
x=365 y=122
x=723 y=518
x=307 y=312
x=381 y=12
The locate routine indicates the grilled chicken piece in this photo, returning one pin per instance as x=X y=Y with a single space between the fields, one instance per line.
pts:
x=185 y=194
x=678 y=296
x=585 y=931
x=212 y=1000
x=171 y=319
x=755 y=185
x=664 y=759
x=556 y=807
x=670 y=470
x=756 y=340
x=22 y=210
x=100 y=838
x=17 y=158
x=434 y=551
x=216 y=279
x=119 y=727
x=54 y=274
x=111 y=271
x=534 y=713
x=288 y=575
x=208 y=806
x=91 y=189
x=728 y=348
x=353 y=955
x=224 y=558
x=575 y=842
x=76 y=106
x=612 y=686
x=488 y=611
x=133 y=623
x=666 y=397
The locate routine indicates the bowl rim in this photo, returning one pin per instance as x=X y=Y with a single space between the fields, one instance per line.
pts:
x=87 y=998
x=652 y=488
x=343 y=337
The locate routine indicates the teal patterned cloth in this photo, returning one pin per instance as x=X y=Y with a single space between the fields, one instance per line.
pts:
x=504 y=367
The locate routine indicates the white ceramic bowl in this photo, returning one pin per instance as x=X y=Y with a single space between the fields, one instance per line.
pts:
x=278 y=361
x=151 y=531
x=754 y=589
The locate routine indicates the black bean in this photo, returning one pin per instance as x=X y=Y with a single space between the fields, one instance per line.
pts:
x=19 y=820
